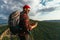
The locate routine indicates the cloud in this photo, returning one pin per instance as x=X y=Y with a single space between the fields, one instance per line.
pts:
x=40 y=9
x=8 y=6
x=2 y=16
x=47 y=9
x=48 y=12
x=55 y=15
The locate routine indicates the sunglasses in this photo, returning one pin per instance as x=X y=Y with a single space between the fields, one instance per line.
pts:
x=28 y=9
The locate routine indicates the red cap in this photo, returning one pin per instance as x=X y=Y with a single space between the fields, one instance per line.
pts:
x=26 y=6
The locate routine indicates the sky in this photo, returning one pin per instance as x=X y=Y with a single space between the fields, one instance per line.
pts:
x=40 y=9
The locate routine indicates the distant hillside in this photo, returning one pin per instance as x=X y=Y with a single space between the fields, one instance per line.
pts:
x=2 y=21
x=46 y=31
x=52 y=20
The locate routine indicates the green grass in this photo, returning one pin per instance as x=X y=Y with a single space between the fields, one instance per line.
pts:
x=5 y=38
x=46 y=31
x=3 y=28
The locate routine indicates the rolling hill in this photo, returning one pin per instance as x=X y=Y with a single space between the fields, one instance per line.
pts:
x=46 y=31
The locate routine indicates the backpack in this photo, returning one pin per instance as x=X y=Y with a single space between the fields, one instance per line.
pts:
x=13 y=21
x=14 y=18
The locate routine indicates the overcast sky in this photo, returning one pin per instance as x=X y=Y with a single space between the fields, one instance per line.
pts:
x=40 y=9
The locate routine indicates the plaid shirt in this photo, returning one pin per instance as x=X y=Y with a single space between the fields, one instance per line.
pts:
x=24 y=20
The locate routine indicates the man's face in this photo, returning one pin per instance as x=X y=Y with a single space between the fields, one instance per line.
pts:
x=27 y=10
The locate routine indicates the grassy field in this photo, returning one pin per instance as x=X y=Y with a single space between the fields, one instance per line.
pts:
x=45 y=31
x=2 y=28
